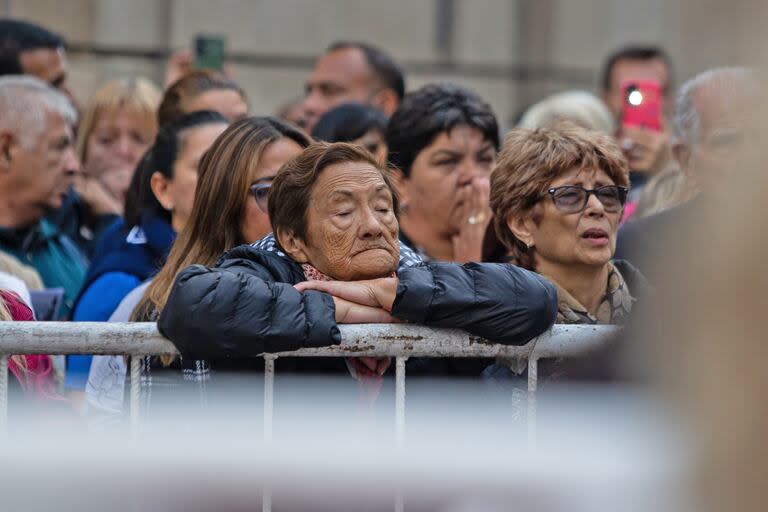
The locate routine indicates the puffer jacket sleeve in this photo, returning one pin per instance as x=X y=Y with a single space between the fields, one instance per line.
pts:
x=499 y=302
x=238 y=311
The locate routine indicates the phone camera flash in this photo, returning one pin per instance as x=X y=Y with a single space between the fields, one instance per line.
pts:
x=635 y=98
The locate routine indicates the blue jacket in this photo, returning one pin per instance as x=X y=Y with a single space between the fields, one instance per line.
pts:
x=122 y=261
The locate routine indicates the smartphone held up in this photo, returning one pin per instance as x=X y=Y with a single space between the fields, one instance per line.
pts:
x=209 y=52
x=641 y=107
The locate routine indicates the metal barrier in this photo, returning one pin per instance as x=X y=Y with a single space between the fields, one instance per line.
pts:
x=400 y=341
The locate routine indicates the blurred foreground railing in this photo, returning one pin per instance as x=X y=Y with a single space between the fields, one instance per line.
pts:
x=399 y=341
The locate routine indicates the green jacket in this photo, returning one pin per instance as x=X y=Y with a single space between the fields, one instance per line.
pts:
x=52 y=253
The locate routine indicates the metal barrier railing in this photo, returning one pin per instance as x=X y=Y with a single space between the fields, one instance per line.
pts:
x=400 y=341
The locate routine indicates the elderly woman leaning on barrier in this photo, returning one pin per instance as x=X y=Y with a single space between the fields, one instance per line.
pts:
x=557 y=198
x=335 y=258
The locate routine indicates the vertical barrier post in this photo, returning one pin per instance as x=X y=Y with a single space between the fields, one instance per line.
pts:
x=400 y=400
x=3 y=394
x=533 y=383
x=399 y=418
x=135 y=395
x=269 y=397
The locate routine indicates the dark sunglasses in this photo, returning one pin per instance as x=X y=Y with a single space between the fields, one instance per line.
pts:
x=260 y=192
x=573 y=199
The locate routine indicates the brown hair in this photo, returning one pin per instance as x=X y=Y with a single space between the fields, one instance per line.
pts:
x=531 y=159
x=137 y=95
x=292 y=187
x=214 y=225
x=189 y=86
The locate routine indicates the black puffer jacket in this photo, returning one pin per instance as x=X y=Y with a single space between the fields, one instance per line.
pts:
x=246 y=305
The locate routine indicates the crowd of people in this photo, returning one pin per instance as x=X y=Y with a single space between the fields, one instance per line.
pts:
x=242 y=233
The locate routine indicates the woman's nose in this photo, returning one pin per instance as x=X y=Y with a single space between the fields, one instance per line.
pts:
x=468 y=171
x=125 y=147
x=594 y=206
x=370 y=226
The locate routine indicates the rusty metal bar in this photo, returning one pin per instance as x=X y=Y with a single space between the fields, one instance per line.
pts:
x=365 y=340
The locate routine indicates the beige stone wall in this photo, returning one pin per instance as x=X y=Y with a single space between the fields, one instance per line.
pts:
x=567 y=38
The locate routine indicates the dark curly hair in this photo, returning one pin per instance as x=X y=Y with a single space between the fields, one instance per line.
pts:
x=431 y=110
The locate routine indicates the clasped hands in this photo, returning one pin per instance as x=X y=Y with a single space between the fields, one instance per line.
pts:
x=361 y=302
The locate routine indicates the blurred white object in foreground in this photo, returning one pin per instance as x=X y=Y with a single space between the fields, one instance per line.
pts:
x=463 y=450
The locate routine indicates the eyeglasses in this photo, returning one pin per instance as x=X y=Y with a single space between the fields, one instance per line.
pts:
x=573 y=199
x=260 y=192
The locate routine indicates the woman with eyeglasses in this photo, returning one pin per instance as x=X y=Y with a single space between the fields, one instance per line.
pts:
x=229 y=209
x=230 y=202
x=557 y=197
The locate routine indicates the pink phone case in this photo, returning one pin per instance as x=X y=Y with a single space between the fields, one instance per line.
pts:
x=642 y=104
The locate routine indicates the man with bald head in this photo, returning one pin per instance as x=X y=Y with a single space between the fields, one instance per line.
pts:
x=713 y=121
x=352 y=72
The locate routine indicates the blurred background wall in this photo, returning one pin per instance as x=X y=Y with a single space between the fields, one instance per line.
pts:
x=513 y=52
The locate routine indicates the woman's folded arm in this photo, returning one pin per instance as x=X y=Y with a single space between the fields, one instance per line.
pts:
x=502 y=303
x=238 y=312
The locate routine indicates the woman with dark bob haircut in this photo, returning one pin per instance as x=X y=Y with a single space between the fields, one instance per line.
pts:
x=443 y=141
x=557 y=197
x=335 y=258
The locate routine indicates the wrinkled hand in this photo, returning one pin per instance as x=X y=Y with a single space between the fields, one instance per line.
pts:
x=348 y=312
x=646 y=150
x=361 y=302
x=96 y=196
x=472 y=219
x=374 y=293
